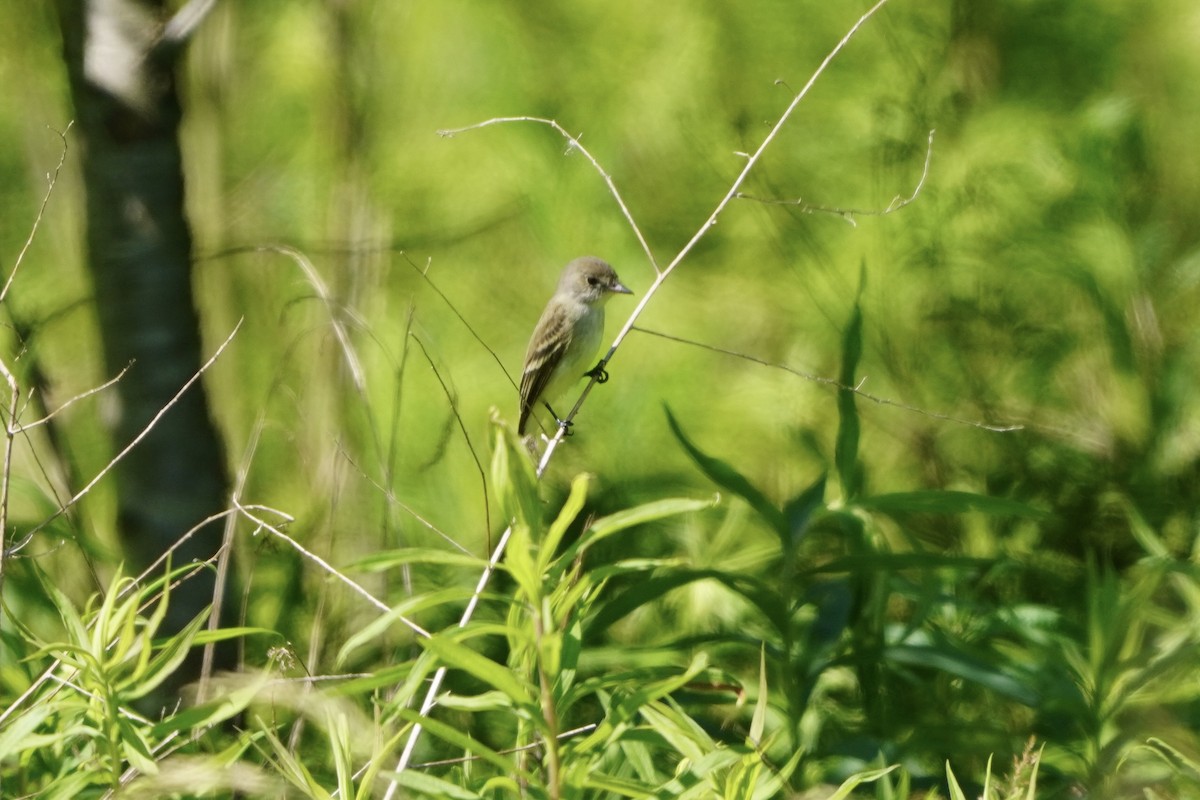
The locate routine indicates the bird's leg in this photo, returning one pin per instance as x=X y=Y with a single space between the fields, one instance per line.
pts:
x=562 y=423
x=598 y=372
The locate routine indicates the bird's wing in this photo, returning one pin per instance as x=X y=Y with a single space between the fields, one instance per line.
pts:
x=550 y=341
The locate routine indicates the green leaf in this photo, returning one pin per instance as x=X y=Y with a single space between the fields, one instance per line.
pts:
x=763 y=597
x=854 y=781
x=421 y=783
x=846 y=449
x=136 y=749
x=390 y=559
x=464 y=741
x=515 y=479
x=799 y=511
x=1031 y=792
x=953 y=662
x=728 y=478
x=411 y=605
x=18 y=734
x=624 y=520
x=946 y=502
x=166 y=661
x=458 y=656
x=639 y=515
x=566 y=515
x=956 y=792
x=231 y=703
x=758 y=720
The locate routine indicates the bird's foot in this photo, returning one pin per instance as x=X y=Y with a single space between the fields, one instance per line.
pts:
x=598 y=372
x=562 y=423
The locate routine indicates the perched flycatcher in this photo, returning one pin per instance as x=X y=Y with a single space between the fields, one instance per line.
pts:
x=568 y=334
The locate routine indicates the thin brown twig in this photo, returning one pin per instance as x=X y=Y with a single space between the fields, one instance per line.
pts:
x=836 y=384
x=848 y=214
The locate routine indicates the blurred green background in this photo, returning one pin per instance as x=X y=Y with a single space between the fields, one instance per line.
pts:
x=1045 y=277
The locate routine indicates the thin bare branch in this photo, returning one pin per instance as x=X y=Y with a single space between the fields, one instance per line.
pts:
x=573 y=143
x=137 y=439
x=858 y=390
x=848 y=214
x=51 y=180
x=261 y=524
x=424 y=273
x=391 y=498
x=487 y=514
x=82 y=396
x=10 y=430
x=435 y=683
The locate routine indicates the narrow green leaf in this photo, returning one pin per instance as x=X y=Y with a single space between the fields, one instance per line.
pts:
x=890 y=562
x=136 y=749
x=166 y=661
x=514 y=479
x=728 y=478
x=17 y=735
x=407 y=608
x=519 y=561
x=67 y=612
x=640 y=515
x=465 y=742
x=1031 y=792
x=613 y=785
x=224 y=634
x=390 y=559
x=231 y=702
x=956 y=792
x=946 y=502
x=846 y=448
x=854 y=781
x=758 y=720
x=799 y=511
x=429 y=785
x=566 y=515
x=646 y=591
x=943 y=658
x=496 y=675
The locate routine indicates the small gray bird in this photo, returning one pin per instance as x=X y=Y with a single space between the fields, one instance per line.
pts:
x=568 y=334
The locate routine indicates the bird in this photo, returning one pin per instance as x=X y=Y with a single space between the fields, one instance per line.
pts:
x=567 y=335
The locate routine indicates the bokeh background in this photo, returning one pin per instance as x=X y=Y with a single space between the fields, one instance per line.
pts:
x=1045 y=278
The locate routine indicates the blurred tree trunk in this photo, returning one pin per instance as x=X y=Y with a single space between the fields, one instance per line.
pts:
x=121 y=70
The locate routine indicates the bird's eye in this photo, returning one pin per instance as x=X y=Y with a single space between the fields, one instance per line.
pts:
x=593 y=281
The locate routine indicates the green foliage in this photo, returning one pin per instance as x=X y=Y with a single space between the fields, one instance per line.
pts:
x=955 y=551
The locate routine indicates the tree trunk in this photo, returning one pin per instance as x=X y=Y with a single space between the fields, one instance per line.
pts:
x=139 y=253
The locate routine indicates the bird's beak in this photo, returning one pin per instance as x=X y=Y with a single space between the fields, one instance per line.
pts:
x=620 y=288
